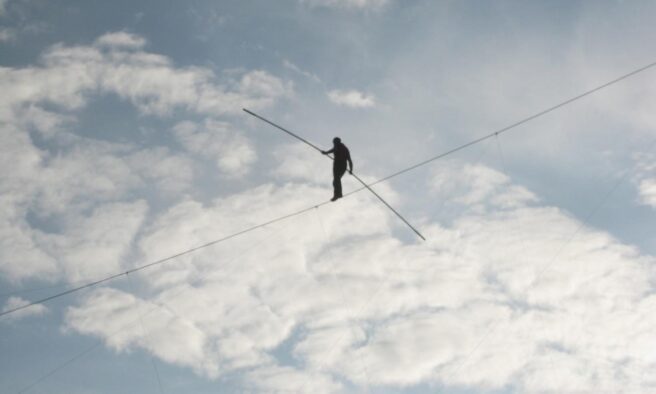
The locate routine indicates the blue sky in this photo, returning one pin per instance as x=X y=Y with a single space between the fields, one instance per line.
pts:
x=123 y=142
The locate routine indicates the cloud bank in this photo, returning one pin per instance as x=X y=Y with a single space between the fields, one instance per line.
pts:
x=352 y=98
x=511 y=293
x=65 y=192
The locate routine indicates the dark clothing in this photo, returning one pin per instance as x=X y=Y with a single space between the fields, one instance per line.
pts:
x=342 y=157
x=338 y=172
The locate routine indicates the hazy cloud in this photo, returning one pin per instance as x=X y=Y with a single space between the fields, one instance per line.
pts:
x=215 y=140
x=297 y=162
x=647 y=190
x=285 y=379
x=169 y=172
x=477 y=186
x=17 y=302
x=7 y=34
x=121 y=40
x=21 y=255
x=125 y=328
x=645 y=178
x=288 y=64
x=351 y=98
x=354 y=4
x=91 y=247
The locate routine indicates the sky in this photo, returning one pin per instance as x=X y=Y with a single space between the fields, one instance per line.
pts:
x=124 y=142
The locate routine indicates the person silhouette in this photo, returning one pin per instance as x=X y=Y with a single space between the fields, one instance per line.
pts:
x=342 y=156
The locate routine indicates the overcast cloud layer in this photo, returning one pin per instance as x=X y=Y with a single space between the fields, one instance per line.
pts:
x=127 y=145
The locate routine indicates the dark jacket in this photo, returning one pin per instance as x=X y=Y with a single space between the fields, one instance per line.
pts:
x=342 y=156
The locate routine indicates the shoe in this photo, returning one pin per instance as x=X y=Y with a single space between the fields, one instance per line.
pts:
x=334 y=198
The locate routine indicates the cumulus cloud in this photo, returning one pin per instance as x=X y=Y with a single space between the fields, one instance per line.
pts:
x=645 y=178
x=95 y=245
x=169 y=172
x=284 y=379
x=16 y=302
x=6 y=34
x=216 y=140
x=648 y=191
x=243 y=328
x=74 y=185
x=21 y=255
x=84 y=191
x=262 y=85
x=498 y=297
x=121 y=40
x=117 y=64
x=477 y=186
x=91 y=172
x=126 y=328
x=351 y=98
x=297 y=162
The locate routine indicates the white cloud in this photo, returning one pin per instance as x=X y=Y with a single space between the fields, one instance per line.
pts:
x=648 y=191
x=277 y=379
x=88 y=192
x=125 y=328
x=477 y=186
x=430 y=341
x=264 y=87
x=171 y=173
x=353 y=4
x=20 y=254
x=91 y=173
x=215 y=140
x=17 y=302
x=6 y=34
x=20 y=161
x=48 y=123
x=150 y=81
x=121 y=40
x=645 y=178
x=297 y=162
x=497 y=298
x=94 y=246
x=352 y=98
x=65 y=176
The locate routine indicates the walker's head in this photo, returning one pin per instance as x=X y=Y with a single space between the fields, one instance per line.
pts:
x=336 y=140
